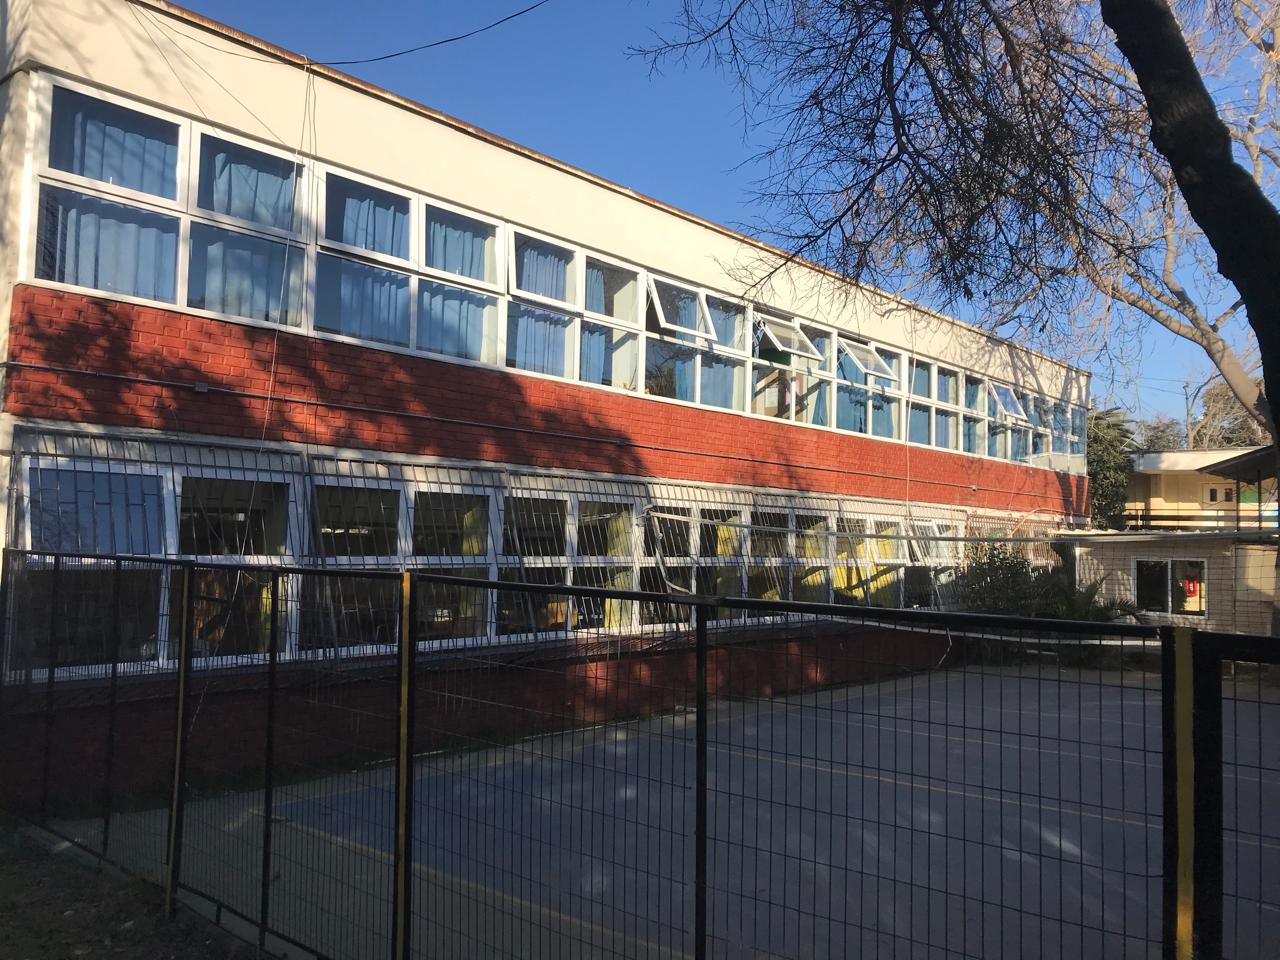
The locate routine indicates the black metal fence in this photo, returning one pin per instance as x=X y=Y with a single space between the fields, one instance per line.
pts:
x=380 y=763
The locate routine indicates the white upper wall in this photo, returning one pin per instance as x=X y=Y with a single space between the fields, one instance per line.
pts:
x=152 y=51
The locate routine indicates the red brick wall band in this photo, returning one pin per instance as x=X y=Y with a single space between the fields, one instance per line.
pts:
x=84 y=359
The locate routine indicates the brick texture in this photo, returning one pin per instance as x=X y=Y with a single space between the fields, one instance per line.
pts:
x=84 y=359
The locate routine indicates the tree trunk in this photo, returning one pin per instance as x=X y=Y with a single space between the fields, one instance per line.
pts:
x=1238 y=220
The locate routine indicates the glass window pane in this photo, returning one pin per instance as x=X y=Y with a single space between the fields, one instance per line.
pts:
x=811 y=536
x=232 y=517
x=602 y=613
x=356 y=521
x=604 y=529
x=363 y=216
x=771 y=392
x=821 y=340
x=851 y=408
x=608 y=356
x=87 y=511
x=768 y=583
x=230 y=611
x=531 y=612
x=948 y=385
x=944 y=429
x=611 y=291
x=717 y=535
x=666 y=580
x=450 y=524
x=542 y=268
x=884 y=416
x=362 y=301
x=769 y=535
x=997 y=440
x=457 y=323
x=1187 y=588
x=680 y=307
x=106 y=246
x=244 y=183
x=342 y=612
x=780 y=339
x=534 y=527
x=667 y=536
x=720 y=581
x=918 y=424
x=1019 y=446
x=972 y=435
x=729 y=322
x=891 y=361
x=1151 y=586
x=461 y=245
x=244 y=276
x=1078 y=421
x=446 y=611
x=722 y=382
x=973 y=393
x=86 y=629
x=920 y=379
x=99 y=140
x=669 y=370
x=537 y=339
x=813 y=400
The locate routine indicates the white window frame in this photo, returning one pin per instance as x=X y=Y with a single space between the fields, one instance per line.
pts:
x=575 y=279
x=637 y=321
x=705 y=330
x=43 y=86
x=766 y=320
x=409 y=264
x=302 y=184
x=500 y=243
x=1007 y=402
x=1168 y=562
x=854 y=350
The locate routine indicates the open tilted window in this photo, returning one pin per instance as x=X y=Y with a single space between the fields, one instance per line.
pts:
x=785 y=336
x=867 y=359
x=1007 y=402
x=680 y=309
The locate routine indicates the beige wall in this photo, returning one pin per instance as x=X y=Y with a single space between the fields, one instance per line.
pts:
x=1240 y=579
x=140 y=50
x=1184 y=493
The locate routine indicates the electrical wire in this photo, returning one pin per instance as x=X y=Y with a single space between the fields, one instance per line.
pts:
x=378 y=59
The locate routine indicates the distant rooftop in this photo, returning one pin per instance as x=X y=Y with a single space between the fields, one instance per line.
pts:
x=1185 y=461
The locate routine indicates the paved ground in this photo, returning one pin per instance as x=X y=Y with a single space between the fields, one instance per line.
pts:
x=997 y=814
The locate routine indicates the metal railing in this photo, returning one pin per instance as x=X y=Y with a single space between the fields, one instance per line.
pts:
x=413 y=764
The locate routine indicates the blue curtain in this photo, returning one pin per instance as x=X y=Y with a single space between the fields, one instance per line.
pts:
x=815 y=404
x=918 y=424
x=244 y=183
x=720 y=381
x=102 y=141
x=84 y=511
x=362 y=301
x=678 y=306
x=595 y=363
x=364 y=216
x=242 y=275
x=597 y=302
x=107 y=246
x=541 y=268
x=669 y=370
x=851 y=408
x=458 y=244
x=970 y=438
x=726 y=320
x=453 y=321
x=944 y=425
x=884 y=417
x=536 y=339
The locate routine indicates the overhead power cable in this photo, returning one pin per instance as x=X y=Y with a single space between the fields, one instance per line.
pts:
x=378 y=59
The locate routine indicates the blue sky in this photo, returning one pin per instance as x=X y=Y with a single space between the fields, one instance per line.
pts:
x=677 y=135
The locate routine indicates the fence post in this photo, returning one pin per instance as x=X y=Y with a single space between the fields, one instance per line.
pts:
x=6 y=629
x=51 y=668
x=268 y=762
x=700 y=789
x=1192 y=731
x=404 y=776
x=108 y=773
x=181 y=734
